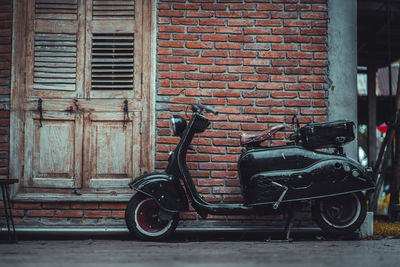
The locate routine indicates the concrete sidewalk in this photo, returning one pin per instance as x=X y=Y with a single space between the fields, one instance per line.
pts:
x=197 y=250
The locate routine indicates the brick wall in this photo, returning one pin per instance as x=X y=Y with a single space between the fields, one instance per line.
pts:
x=258 y=62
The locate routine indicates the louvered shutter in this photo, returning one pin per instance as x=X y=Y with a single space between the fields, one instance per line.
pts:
x=113 y=44
x=56 y=44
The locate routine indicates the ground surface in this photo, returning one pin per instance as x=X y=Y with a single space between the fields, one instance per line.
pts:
x=199 y=250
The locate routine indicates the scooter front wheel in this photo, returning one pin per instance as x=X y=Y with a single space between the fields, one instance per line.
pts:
x=340 y=215
x=147 y=221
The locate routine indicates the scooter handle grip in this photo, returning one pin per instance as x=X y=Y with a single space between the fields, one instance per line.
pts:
x=209 y=109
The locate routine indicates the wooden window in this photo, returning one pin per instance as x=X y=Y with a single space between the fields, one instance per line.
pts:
x=85 y=107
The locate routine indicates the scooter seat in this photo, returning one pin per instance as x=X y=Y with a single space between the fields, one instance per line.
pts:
x=248 y=139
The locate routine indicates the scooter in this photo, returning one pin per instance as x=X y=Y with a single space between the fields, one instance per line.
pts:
x=274 y=180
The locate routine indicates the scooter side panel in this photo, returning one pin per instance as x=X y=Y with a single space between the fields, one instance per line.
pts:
x=307 y=173
x=326 y=177
x=165 y=189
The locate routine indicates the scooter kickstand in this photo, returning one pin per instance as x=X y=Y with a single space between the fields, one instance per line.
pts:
x=289 y=225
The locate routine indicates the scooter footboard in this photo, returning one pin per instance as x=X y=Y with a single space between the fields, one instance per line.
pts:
x=164 y=189
x=327 y=177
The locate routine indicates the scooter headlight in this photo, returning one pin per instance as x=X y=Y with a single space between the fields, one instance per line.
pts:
x=177 y=124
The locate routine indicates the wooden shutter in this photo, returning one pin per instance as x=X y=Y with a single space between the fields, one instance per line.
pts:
x=55 y=49
x=54 y=77
x=114 y=64
x=113 y=49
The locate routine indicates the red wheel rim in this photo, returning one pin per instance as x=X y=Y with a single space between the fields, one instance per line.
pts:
x=146 y=217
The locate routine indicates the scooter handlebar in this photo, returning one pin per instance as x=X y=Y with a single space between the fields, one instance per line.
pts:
x=207 y=108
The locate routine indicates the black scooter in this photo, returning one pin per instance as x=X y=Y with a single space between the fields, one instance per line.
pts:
x=274 y=180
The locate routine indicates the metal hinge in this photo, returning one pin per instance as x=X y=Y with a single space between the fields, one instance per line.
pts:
x=141 y=77
x=141 y=128
x=25 y=78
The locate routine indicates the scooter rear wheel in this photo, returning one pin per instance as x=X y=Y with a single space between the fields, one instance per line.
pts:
x=142 y=217
x=340 y=215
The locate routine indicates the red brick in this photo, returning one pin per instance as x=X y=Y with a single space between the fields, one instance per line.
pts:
x=314 y=15
x=241 y=39
x=243 y=54
x=230 y=61
x=97 y=213
x=298 y=71
x=198 y=92
x=226 y=93
x=199 y=14
x=213 y=7
x=198 y=76
x=255 y=110
x=255 y=78
x=241 y=69
x=286 y=63
x=240 y=102
x=214 y=54
x=269 y=7
x=296 y=23
x=225 y=77
x=287 y=47
x=214 y=22
x=210 y=182
x=313 y=48
x=113 y=206
x=199 y=45
x=298 y=87
x=241 y=85
x=313 y=63
x=226 y=14
x=40 y=213
x=268 y=54
x=297 y=103
x=213 y=85
x=194 y=60
x=69 y=213
x=240 y=22
x=184 y=21
x=27 y=206
x=56 y=205
x=257 y=62
x=227 y=46
x=286 y=78
x=214 y=37
x=170 y=13
x=312 y=79
x=256 y=31
x=269 y=39
x=185 y=52
x=171 y=75
x=269 y=102
x=200 y=29
x=186 y=6
x=171 y=28
x=269 y=23
x=236 y=30
x=269 y=70
x=184 y=84
x=185 y=68
x=270 y=86
x=170 y=59
x=214 y=69
x=297 y=7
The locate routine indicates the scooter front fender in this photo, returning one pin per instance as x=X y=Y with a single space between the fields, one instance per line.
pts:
x=165 y=189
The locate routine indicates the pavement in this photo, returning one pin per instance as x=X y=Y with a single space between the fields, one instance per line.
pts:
x=202 y=249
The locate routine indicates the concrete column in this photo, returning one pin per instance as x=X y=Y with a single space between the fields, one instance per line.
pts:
x=342 y=57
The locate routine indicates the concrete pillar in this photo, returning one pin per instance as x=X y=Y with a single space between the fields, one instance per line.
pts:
x=342 y=57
